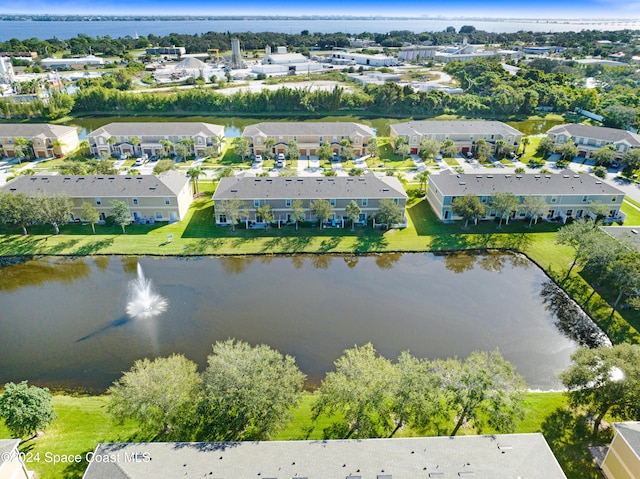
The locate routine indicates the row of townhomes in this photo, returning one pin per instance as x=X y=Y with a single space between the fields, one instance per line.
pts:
x=150 y=198
x=280 y=193
x=567 y=194
x=46 y=140
x=133 y=139
x=166 y=198
x=464 y=134
x=590 y=138
x=309 y=136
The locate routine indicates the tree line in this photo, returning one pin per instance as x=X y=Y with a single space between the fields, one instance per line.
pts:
x=18 y=209
x=249 y=393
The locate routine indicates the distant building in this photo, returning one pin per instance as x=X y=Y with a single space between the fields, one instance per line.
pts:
x=341 y=57
x=567 y=194
x=622 y=460
x=46 y=140
x=589 y=138
x=70 y=62
x=284 y=63
x=280 y=192
x=512 y=456
x=150 y=198
x=172 y=50
x=417 y=53
x=375 y=77
x=7 y=74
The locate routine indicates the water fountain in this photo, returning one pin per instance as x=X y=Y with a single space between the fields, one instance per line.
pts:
x=143 y=301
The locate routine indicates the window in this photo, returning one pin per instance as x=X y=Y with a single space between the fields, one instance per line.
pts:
x=158 y=215
x=395 y=200
x=167 y=200
x=554 y=199
x=579 y=213
x=258 y=140
x=471 y=137
x=585 y=198
x=362 y=218
x=320 y=140
x=569 y=212
x=332 y=201
x=256 y=203
x=199 y=140
x=135 y=201
x=356 y=141
x=365 y=201
x=222 y=219
x=287 y=202
x=98 y=201
x=613 y=212
x=414 y=139
x=614 y=199
x=295 y=138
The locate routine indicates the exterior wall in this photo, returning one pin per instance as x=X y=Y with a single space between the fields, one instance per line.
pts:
x=14 y=468
x=149 y=144
x=146 y=207
x=43 y=147
x=587 y=146
x=621 y=462
x=368 y=206
x=463 y=141
x=308 y=144
x=563 y=206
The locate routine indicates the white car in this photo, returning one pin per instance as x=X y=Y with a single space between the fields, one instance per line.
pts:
x=280 y=162
x=258 y=159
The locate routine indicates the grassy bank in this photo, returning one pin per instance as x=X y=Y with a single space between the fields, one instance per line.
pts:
x=83 y=422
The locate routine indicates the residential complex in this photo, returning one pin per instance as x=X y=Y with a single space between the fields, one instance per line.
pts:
x=464 y=134
x=590 y=138
x=150 y=198
x=46 y=140
x=281 y=192
x=148 y=138
x=622 y=460
x=568 y=195
x=308 y=135
x=481 y=457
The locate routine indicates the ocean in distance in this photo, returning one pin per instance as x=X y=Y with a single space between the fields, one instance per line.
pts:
x=22 y=29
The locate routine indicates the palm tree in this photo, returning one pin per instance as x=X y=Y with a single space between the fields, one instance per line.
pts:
x=188 y=142
x=218 y=141
x=111 y=141
x=194 y=173
x=135 y=141
x=166 y=147
x=525 y=142
x=24 y=149
x=57 y=145
x=423 y=177
x=500 y=144
x=269 y=143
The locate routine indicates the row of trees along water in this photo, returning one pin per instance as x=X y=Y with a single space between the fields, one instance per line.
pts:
x=249 y=393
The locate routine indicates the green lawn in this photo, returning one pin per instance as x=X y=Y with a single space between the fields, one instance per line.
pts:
x=633 y=214
x=83 y=422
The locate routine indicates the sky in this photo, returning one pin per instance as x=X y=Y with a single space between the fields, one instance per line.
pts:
x=625 y=9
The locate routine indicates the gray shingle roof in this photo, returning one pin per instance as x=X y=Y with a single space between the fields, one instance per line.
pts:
x=102 y=186
x=168 y=128
x=611 y=135
x=287 y=128
x=367 y=186
x=30 y=130
x=563 y=183
x=476 y=127
x=482 y=457
x=630 y=431
x=6 y=446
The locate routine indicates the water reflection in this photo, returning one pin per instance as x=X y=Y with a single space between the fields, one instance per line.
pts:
x=32 y=273
x=494 y=261
x=571 y=319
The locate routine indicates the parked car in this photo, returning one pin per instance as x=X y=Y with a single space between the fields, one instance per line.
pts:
x=258 y=158
x=280 y=156
x=280 y=162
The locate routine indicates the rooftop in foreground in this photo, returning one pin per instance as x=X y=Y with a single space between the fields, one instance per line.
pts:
x=508 y=456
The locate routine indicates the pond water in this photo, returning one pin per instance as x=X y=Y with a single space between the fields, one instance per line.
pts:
x=64 y=322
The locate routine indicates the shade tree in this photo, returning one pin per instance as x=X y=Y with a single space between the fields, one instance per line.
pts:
x=26 y=409
x=159 y=394
x=321 y=209
x=534 y=207
x=468 y=207
x=389 y=212
x=233 y=209
x=121 y=213
x=504 y=204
